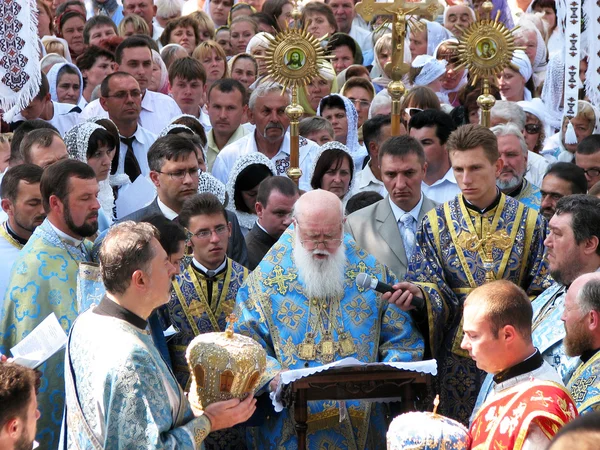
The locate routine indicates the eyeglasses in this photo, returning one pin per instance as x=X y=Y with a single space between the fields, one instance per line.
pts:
x=220 y=231
x=180 y=174
x=533 y=128
x=412 y=111
x=593 y=172
x=360 y=104
x=122 y=95
x=328 y=243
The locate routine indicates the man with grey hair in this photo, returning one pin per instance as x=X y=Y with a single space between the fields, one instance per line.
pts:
x=514 y=154
x=271 y=136
x=381 y=105
x=167 y=10
x=120 y=392
x=317 y=129
x=581 y=318
x=303 y=306
x=509 y=112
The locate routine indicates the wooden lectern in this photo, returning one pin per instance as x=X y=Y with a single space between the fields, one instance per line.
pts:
x=354 y=383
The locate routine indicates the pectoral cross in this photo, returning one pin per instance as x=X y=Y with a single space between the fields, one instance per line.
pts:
x=540 y=397
x=400 y=9
x=500 y=240
x=279 y=280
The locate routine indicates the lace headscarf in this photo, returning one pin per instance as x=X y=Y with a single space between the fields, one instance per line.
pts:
x=335 y=145
x=436 y=33
x=540 y=62
x=431 y=69
x=77 y=141
x=165 y=131
x=53 y=80
x=246 y=220
x=208 y=183
x=552 y=92
x=357 y=151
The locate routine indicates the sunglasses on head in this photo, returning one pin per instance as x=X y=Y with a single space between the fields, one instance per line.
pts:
x=411 y=112
x=532 y=128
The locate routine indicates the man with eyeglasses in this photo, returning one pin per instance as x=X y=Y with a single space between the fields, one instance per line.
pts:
x=203 y=295
x=562 y=179
x=121 y=97
x=303 y=306
x=134 y=56
x=588 y=158
x=274 y=204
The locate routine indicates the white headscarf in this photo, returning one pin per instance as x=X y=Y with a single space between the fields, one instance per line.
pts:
x=431 y=69
x=335 y=145
x=208 y=183
x=552 y=92
x=53 y=80
x=246 y=220
x=77 y=140
x=357 y=151
x=465 y=76
x=258 y=40
x=521 y=60
x=536 y=107
x=436 y=33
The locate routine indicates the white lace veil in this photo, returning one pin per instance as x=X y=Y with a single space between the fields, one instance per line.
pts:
x=334 y=145
x=552 y=92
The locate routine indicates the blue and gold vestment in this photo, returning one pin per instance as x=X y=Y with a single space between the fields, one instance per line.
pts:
x=460 y=249
x=274 y=310
x=584 y=385
x=43 y=281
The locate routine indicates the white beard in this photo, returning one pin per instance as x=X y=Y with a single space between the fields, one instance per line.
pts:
x=320 y=278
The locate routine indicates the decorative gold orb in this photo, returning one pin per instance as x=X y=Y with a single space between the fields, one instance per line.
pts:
x=294 y=112
x=396 y=89
x=486 y=102
x=294 y=173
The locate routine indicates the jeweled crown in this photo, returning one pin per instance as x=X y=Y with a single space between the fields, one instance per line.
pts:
x=223 y=366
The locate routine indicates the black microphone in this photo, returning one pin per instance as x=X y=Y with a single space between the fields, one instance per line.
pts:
x=365 y=281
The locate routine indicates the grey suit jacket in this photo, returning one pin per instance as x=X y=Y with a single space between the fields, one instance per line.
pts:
x=375 y=229
x=236 y=249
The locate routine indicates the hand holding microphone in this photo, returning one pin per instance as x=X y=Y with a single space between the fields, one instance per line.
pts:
x=406 y=296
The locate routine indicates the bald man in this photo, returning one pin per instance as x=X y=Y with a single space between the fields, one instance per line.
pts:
x=302 y=305
x=582 y=326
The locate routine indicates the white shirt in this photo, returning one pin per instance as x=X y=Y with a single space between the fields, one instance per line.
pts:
x=143 y=140
x=366 y=182
x=65 y=237
x=157 y=111
x=9 y=254
x=399 y=212
x=63 y=119
x=227 y=157
x=363 y=37
x=537 y=166
x=167 y=212
x=442 y=190
x=204 y=269
x=156 y=31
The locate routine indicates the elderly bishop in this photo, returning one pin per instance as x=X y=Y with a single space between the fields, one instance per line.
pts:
x=302 y=304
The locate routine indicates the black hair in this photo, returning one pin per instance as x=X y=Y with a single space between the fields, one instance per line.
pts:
x=29 y=173
x=172 y=147
x=571 y=173
x=55 y=179
x=443 y=123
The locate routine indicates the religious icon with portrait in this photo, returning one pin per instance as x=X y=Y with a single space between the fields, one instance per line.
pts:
x=486 y=48
x=295 y=58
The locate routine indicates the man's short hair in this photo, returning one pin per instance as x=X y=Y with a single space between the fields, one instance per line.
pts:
x=227 y=85
x=372 y=128
x=583 y=433
x=362 y=200
x=170 y=232
x=172 y=147
x=105 y=85
x=589 y=145
x=168 y=8
x=402 y=146
x=29 y=173
x=19 y=134
x=263 y=90
x=443 y=123
x=510 y=129
x=16 y=388
x=96 y=21
x=44 y=87
x=469 y=137
x=509 y=112
x=283 y=185
x=130 y=42
x=314 y=124
x=56 y=179
x=505 y=303
x=585 y=216
x=169 y=52
x=126 y=248
x=571 y=173
x=188 y=69
x=205 y=204
x=42 y=137
x=588 y=296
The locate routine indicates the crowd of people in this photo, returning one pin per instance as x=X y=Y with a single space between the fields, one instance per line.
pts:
x=144 y=189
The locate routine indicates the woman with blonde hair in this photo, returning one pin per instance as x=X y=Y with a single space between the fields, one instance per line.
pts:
x=383 y=55
x=212 y=56
x=133 y=24
x=206 y=26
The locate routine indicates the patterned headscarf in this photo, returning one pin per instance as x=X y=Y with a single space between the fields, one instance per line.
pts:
x=334 y=145
x=208 y=183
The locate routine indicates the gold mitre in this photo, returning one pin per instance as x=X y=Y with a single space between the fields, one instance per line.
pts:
x=223 y=366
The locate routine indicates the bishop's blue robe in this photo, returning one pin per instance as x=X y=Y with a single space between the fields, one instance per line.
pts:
x=43 y=281
x=273 y=309
x=451 y=260
x=584 y=385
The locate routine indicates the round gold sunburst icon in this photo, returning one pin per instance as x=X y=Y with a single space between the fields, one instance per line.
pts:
x=486 y=47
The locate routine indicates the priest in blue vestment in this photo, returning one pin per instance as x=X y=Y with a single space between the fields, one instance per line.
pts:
x=303 y=306
x=480 y=236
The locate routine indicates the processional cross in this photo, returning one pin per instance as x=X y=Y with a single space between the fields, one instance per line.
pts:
x=401 y=10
